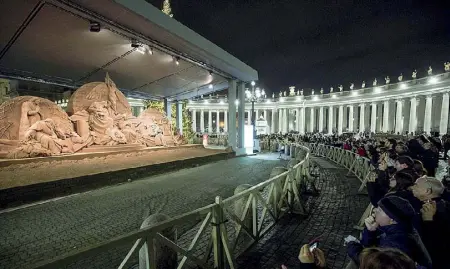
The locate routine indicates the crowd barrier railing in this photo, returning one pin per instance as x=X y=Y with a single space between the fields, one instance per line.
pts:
x=228 y=233
x=361 y=167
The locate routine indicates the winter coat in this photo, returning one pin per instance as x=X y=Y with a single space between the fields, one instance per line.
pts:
x=436 y=235
x=402 y=237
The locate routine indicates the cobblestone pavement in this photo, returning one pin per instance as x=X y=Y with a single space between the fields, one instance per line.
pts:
x=332 y=217
x=44 y=231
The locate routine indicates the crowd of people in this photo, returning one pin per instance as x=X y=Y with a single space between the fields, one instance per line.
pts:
x=409 y=224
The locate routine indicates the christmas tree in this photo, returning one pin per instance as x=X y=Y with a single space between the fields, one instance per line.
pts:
x=188 y=133
x=167 y=9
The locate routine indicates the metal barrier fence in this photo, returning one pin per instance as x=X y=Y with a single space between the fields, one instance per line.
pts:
x=361 y=167
x=219 y=234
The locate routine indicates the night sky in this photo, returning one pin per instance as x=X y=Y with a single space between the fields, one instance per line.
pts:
x=317 y=43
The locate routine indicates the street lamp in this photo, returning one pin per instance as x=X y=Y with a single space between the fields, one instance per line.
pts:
x=254 y=95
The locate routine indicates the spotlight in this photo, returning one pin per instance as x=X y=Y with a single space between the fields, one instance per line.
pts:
x=150 y=51
x=253 y=83
x=94 y=27
x=141 y=50
x=135 y=44
x=177 y=60
x=210 y=86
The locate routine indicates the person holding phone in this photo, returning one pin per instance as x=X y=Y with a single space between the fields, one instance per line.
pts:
x=311 y=256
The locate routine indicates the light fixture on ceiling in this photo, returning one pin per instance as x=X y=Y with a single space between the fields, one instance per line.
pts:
x=177 y=60
x=210 y=86
x=94 y=26
x=141 y=49
x=150 y=51
x=210 y=73
x=135 y=44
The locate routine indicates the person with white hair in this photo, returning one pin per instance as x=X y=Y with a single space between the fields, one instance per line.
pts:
x=435 y=219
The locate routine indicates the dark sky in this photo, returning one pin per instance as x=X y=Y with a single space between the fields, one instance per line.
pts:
x=317 y=43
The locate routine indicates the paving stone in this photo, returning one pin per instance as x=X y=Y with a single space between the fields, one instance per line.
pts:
x=332 y=217
x=44 y=231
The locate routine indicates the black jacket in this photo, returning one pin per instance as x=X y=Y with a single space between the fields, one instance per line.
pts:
x=402 y=237
x=436 y=235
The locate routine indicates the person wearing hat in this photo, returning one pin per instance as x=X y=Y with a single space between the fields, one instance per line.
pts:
x=391 y=227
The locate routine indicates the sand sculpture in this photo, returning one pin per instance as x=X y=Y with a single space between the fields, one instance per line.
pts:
x=99 y=116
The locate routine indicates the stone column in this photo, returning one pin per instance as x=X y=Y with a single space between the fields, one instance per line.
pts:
x=180 y=116
x=340 y=119
x=373 y=121
x=286 y=120
x=202 y=121
x=232 y=138
x=330 y=119
x=362 y=118
x=350 y=118
x=428 y=111
x=241 y=118
x=386 y=117
x=321 y=115
x=209 y=121
x=280 y=120
x=399 y=117
x=218 y=121
x=444 y=114
x=194 y=120
x=297 y=119
x=272 y=121
x=312 y=119
x=249 y=117
x=256 y=115
x=302 y=120
x=225 y=121
x=168 y=108
x=265 y=115
x=413 y=115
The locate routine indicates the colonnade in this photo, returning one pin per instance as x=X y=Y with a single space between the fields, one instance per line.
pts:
x=420 y=113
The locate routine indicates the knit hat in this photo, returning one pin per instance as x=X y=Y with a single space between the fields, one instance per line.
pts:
x=397 y=209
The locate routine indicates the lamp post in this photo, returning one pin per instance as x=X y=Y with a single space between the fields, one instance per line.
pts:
x=254 y=95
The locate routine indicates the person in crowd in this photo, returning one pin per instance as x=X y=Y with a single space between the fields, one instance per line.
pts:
x=446 y=140
x=379 y=187
x=401 y=149
x=347 y=145
x=435 y=214
x=361 y=151
x=391 y=227
x=418 y=167
x=430 y=158
x=385 y=258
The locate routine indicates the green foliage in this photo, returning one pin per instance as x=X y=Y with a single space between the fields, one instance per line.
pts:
x=187 y=121
x=188 y=133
